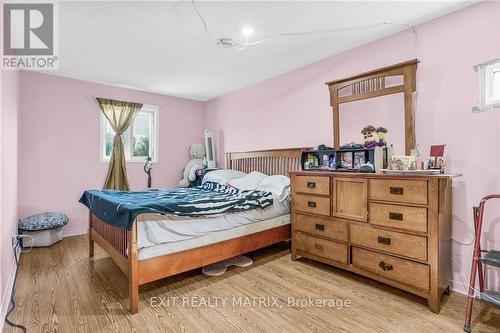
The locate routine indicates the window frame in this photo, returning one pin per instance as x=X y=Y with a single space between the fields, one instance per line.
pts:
x=490 y=88
x=129 y=158
x=486 y=75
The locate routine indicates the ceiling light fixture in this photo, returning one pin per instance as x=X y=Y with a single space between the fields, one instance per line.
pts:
x=225 y=42
x=247 y=31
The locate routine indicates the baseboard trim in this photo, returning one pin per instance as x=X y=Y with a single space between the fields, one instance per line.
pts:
x=459 y=287
x=6 y=297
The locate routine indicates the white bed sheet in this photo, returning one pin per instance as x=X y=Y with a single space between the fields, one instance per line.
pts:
x=155 y=229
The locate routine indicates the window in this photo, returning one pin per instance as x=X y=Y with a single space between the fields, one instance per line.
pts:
x=140 y=140
x=489 y=85
x=495 y=85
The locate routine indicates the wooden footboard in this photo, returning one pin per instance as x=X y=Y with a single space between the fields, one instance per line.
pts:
x=115 y=241
x=121 y=245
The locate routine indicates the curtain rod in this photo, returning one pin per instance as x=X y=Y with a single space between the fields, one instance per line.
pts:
x=95 y=97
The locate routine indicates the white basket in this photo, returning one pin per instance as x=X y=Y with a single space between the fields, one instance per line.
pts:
x=42 y=238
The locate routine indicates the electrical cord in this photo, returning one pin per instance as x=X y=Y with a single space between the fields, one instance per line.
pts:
x=204 y=23
x=325 y=31
x=242 y=46
x=467 y=285
x=469 y=229
x=461 y=272
x=12 y=295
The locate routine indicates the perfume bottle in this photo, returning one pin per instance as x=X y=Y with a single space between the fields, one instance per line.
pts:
x=416 y=153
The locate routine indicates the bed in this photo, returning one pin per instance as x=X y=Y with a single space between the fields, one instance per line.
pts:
x=143 y=260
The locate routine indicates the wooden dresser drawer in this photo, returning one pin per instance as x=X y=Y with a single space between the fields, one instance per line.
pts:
x=323 y=248
x=389 y=267
x=312 y=185
x=410 y=246
x=321 y=226
x=397 y=190
x=311 y=204
x=401 y=217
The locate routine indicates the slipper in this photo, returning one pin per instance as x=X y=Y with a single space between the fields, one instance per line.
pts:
x=219 y=268
x=216 y=269
x=240 y=261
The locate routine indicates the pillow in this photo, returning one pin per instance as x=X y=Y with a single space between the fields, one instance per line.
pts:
x=274 y=184
x=222 y=176
x=43 y=221
x=249 y=182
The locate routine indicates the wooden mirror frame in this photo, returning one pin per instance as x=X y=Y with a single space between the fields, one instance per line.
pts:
x=372 y=84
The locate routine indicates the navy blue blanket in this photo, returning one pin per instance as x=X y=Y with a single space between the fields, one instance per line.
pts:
x=120 y=208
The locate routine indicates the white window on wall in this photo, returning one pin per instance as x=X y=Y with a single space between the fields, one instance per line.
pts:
x=489 y=85
x=140 y=140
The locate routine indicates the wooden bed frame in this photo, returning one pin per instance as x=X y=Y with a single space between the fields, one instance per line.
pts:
x=121 y=244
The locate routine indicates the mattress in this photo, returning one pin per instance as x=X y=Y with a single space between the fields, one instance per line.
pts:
x=213 y=237
x=165 y=234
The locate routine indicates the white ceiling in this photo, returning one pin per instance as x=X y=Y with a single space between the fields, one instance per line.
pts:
x=162 y=47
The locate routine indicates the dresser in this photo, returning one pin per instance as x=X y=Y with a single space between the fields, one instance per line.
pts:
x=393 y=229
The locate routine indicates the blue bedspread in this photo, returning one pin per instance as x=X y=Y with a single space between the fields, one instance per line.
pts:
x=120 y=208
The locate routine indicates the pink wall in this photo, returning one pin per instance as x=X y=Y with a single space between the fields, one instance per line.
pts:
x=292 y=110
x=10 y=105
x=2 y=241
x=59 y=143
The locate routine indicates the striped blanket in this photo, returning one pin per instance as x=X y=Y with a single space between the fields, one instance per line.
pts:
x=120 y=208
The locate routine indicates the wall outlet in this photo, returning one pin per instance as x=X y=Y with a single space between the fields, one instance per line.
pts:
x=15 y=239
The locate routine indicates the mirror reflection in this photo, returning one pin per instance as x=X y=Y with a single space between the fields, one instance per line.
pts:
x=383 y=111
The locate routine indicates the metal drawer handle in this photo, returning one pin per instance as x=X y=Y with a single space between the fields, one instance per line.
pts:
x=396 y=216
x=385 y=267
x=384 y=240
x=320 y=227
x=396 y=190
x=311 y=185
x=311 y=204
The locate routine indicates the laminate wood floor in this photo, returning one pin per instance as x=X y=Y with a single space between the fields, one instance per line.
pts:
x=61 y=290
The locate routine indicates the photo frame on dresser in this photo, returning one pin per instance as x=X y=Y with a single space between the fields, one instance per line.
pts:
x=346 y=160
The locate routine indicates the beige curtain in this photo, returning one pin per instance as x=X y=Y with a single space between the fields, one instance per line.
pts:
x=120 y=116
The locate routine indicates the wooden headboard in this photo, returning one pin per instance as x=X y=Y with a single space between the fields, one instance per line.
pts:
x=270 y=162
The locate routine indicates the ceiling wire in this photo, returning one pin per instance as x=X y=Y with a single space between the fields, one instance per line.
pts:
x=327 y=31
x=204 y=23
x=242 y=46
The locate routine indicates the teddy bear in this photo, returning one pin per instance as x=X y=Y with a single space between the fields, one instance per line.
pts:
x=370 y=137
x=198 y=161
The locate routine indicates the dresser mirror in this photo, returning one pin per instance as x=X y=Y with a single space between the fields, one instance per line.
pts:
x=374 y=97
